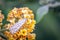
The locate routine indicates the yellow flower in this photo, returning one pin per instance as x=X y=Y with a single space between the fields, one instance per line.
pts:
x=25 y=11
x=26 y=16
x=10 y=18
x=0 y=20
x=33 y=22
x=23 y=32
x=31 y=36
x=13 y=21
x=29 y=30
x=31 y=26
x=20 y=39
x=7 y=26
x=32 y=16
x=29 y=21
x=11 y=38
x=18 y=34
x=15 y=36
x=30 y=11
x=28 y=27
x=7 y=34
x=14 y=10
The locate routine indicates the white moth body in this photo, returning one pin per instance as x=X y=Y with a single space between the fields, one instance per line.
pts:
x=17 y=26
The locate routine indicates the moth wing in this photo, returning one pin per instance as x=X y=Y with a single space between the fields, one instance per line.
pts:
x=17 y=26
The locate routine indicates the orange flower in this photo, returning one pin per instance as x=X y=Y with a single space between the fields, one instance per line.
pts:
x=31 y=36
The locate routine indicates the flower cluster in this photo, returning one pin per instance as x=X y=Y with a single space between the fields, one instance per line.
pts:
x=25 y=32
x=1 y=18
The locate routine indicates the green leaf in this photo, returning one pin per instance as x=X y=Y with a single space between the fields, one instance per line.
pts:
x=41 y=12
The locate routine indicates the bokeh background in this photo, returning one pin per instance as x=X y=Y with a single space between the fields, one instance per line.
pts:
x=49 y=26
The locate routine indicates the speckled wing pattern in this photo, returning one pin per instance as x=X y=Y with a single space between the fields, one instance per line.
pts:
x=17 y=26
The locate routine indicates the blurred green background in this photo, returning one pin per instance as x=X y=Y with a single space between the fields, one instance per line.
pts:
x=47 y=29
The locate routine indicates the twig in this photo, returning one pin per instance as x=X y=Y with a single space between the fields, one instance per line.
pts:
x=3 y=36
x=54 y=5
x=1 y=30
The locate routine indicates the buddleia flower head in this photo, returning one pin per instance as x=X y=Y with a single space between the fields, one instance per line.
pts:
x=21 y=29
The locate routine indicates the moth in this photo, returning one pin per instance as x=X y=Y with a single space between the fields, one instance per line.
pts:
x=17 y=26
